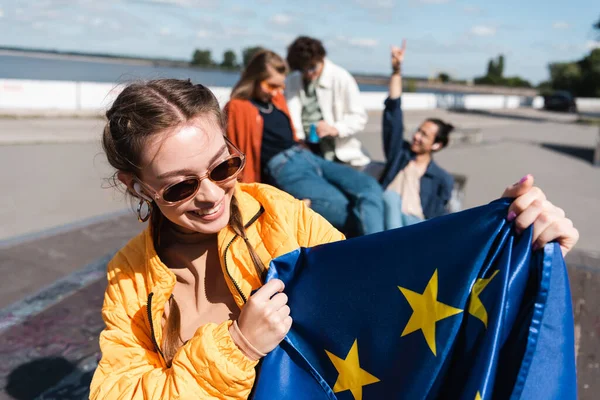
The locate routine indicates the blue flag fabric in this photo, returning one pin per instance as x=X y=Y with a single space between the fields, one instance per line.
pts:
x=457 y=307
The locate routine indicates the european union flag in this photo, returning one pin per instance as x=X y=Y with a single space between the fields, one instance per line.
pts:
x=457 y=307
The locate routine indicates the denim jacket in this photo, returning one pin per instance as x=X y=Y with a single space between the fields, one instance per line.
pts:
x=436 y=184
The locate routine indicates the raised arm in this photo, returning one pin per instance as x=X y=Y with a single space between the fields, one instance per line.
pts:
x=396 y=78
x=393 y=121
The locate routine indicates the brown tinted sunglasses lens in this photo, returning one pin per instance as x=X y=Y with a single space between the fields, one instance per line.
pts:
x=181 y=191
x=226 y=170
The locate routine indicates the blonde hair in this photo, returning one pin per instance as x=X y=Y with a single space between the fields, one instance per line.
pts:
x=256 y=71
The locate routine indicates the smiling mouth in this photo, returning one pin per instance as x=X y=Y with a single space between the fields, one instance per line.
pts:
x=209 y=211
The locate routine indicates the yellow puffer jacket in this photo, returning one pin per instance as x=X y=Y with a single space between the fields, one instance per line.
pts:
x=210 y=365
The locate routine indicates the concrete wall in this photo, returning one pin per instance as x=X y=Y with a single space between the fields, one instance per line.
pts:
x=90 y=96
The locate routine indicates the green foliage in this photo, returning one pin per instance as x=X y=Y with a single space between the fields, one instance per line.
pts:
x=495 y=76
x=410 y=86
x=500 y=66
x=229 y=60
x=495 y=68
x=545 y=88
x=582 y=78
x=516 y=82
x=444 y=77
x=202 y=58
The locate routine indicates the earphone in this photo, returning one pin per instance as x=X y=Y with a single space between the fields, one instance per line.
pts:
x=138 y=189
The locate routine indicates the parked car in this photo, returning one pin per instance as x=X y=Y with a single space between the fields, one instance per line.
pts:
x=560 y=101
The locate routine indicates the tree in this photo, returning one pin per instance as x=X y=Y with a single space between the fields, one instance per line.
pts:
x=495 y=75
x=444 y=77
x=590 y=74
x=581 y=78
x=516 y=81
x=229 y=59
x=500 y=66
x=565 y=76
x=248 y=52
x=202 y=58
x=495 y=68
x=490 y=68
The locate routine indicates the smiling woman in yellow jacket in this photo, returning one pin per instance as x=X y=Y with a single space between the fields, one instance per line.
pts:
x=175 y=290
x=180 y=318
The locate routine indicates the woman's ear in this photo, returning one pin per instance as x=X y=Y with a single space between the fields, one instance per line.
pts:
x=127 y=180
x=133 y=186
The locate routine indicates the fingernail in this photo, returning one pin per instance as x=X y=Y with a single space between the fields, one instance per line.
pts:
x=511 y=216
x=523 y=179
x=535 y=247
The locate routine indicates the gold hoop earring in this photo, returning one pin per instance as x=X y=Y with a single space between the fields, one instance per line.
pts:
x=139 y=210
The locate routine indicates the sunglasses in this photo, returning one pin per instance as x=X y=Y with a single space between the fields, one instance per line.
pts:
x=311 y=69
x=269 y=87
x=187 y=187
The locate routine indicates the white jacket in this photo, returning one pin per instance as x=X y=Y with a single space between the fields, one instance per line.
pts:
x=341 y=107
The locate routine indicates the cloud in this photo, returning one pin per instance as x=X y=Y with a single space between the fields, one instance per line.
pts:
x=376 y=4
x=560 y=25
x=482 y=30
x=1 y=13
x=243 y=12
x=574 y=47
x=282 y=38
x=165 y=32
x=97 y=22
x=281 y=19
x=181 y=3
x=473 y=10
x=434 y=1
x=362 y=43
x=203 y=34
x=236 y=32
x=592 y=44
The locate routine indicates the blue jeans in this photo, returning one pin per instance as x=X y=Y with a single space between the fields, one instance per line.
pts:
x=394 y=217
x=350 y=200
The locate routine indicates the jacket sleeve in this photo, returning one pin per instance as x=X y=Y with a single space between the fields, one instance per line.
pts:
x=393 y=127
x=444 y=195
x=294 y=104
x=313 y=229
x=238 y=128
x=355 y=115
x=208 y=366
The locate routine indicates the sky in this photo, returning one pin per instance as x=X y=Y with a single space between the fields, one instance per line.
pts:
x=453 y=36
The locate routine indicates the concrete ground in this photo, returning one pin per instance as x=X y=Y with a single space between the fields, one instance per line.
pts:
x=59 y=215
x=60 y=175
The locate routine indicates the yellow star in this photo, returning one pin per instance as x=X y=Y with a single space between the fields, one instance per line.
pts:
x=478 y=396
x=351 y=376
x=426 y=311
x=476 y=307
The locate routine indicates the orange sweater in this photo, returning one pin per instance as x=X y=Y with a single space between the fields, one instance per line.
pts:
x=245 y=130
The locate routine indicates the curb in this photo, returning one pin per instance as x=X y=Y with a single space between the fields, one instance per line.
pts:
x=18 y=312
x=29 y=237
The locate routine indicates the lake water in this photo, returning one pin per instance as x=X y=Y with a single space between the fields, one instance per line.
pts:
x=52 y=68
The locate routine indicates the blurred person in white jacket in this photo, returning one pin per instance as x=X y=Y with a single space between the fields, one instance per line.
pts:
x=322 y=93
